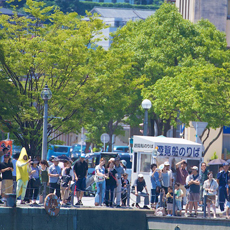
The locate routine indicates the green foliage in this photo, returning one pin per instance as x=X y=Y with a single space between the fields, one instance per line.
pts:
x=55 y=53
x=214 y=156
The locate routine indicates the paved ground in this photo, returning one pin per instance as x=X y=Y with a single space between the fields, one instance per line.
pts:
x=88 y=202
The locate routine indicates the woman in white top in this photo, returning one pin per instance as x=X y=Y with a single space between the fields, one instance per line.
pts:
x=100 y=182
x=210 y=190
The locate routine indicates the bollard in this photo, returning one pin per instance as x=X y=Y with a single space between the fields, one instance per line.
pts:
x=72 y=193
x=205 y=201
x=161 y=196
x=128 y=194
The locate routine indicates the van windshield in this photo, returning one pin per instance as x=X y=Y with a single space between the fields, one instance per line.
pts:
x=77 y=148
x=60 y=149
x=108 y=156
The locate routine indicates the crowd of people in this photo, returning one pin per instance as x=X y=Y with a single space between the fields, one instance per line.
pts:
x=33 y=179
x=191 y=188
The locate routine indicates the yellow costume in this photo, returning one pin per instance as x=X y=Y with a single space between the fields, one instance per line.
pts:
x=22 y=174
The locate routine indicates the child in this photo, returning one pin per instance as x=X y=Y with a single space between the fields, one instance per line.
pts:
x=179 y=194
x=65 y=184
x=124 y=184
x=228 y=200
x=169 y=197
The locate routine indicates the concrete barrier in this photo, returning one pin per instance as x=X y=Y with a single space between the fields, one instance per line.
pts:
x=72 y=219
x=178 y=223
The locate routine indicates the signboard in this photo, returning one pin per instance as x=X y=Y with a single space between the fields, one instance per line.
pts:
x=105 y=138
x=168 y=147
x=6 y=144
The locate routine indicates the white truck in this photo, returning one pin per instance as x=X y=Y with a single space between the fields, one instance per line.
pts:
x=148 y=150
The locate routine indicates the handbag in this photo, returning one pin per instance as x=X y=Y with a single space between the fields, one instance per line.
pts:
x=98 y=178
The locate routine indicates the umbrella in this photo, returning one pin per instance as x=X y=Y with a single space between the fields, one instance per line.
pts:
x=64 y=158
x=217 y=162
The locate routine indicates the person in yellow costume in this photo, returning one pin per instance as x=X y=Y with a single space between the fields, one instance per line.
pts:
x=22 y=174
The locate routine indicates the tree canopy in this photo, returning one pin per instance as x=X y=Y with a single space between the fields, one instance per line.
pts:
x=180 y=66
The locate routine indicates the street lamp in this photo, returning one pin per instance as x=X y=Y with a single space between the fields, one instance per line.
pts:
x=146 y=105
x=45 y=95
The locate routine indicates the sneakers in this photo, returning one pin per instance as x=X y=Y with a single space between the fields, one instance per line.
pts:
x=146 y=207
x=1 y=202
x=79 y=203
x=137 y=205
x=118 y=206
x=169 y=215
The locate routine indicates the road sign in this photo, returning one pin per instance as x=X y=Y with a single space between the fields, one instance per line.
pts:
x=105 y=138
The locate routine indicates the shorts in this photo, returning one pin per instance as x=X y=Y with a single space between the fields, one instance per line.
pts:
x=7 y=186
x=194 y=197
x=178 y=205
x=211 y=198
x=169 y=206
x=81 y=184
x=228 y=204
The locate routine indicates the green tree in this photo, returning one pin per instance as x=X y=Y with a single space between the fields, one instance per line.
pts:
x=50 y=48
x=166 y=46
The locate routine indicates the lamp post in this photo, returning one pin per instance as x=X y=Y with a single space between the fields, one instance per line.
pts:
x=146 y=105
x=45 y=95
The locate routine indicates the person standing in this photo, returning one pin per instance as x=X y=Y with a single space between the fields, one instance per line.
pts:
x=34 y=182
x=54 y=173
x=222 y=179
x=80 y=172
x=166 y=177
x=14 y=161
x=6 y=168
x=210 y=190
x=155 y=177
x=111 y=183
x=44 y=181
x=203 y=178
x=194 y=186
x=100 y=177
x=120 y=171
x=22 y=174
x=181 y=175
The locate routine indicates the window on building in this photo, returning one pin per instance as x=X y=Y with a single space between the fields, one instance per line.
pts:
x=145 y=162
x=228 y=9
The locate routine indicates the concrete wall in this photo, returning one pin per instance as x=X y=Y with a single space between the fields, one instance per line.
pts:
x=228 y=33
x=171 y=223
x=72 y=219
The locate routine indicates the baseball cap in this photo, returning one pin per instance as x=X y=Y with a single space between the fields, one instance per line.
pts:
x=117 y=158
x=140 y=175
x=195 y=168
x=166 y=163
x=225 y=164
x=82 y=155
x=55 y=159
x=124 y=162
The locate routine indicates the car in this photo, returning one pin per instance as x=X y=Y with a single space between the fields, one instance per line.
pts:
x=93 y=159
x=58 y=150
x=116 y=148
x=75 y=151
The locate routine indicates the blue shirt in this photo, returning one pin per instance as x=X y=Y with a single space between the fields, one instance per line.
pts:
x=155 y=180
x=223 y=178
x=54 y=170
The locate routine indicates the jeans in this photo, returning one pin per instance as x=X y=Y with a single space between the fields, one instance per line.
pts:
x=99 y=198
x=109 y=189
x=154 y=196
x=178 y=205
x=145 y=195
x=118 y=192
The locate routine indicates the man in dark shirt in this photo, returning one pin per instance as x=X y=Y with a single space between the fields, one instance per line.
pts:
x=6 y=168
x=181 y=175
x=203 y=178
x=80 y=172
x=139 y=186
x=222 y=178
